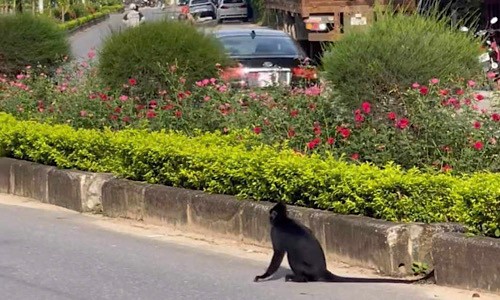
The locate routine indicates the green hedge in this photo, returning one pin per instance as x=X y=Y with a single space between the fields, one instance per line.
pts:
x=83 y=20
x=236 y=164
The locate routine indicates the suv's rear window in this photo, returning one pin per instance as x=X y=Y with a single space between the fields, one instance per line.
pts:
x=196 y=2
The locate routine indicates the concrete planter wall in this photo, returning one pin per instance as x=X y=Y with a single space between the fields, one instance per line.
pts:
x=459 y=261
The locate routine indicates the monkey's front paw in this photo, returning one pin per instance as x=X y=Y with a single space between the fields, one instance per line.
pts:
x=257 y=278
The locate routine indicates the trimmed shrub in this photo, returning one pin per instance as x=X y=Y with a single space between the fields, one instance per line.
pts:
x=397 y=50
x=146 y=52
x=30 y=40
x=236 y=164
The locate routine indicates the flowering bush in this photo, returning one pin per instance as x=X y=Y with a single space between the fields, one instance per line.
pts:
x=30 y=40
x=77 y=97
x=435 y=127
x=143 y=52
x=396 y=50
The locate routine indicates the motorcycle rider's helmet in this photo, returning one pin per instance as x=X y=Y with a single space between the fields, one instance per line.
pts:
x=133 y=6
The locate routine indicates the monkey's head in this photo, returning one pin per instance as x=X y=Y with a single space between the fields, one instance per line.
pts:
x=277 y=213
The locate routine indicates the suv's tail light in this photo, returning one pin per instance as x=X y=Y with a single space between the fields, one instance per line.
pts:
x=232 y=73
x=306 y=73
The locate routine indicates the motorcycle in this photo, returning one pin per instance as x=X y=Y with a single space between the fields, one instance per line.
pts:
x=491 y=58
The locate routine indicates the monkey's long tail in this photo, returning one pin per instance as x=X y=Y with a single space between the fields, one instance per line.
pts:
x=330 y=277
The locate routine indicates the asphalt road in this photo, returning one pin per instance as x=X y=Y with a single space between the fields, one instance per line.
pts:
x=91 y=38
x=59 y=254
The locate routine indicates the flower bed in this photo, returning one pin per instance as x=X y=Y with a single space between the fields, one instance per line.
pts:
x=437 y=127
x=237 y=164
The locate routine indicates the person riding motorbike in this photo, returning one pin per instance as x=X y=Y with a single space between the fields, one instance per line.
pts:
x=134 y=17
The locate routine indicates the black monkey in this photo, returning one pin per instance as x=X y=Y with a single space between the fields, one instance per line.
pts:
x=305 y=255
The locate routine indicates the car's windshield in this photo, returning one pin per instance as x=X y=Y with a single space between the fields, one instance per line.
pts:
x=259 y=46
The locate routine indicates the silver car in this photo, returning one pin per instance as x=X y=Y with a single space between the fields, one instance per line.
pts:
x=232 y=9
x=203 y=8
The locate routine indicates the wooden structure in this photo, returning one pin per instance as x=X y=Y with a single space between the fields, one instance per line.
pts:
x=324 y=20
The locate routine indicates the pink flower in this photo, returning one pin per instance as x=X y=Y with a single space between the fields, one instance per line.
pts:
x=317 y=129
x=153 y=104
x=478 y=145
x=83 y=113
x=479 y=97
x=415 y=85
x=91 y=54
x=222 y=89
x=459 y=92
x=366 y=107
x=391 y=116
x=20 y=76
x=330 y=141
x=491 y=75
x=495 y=117
x=291 y=132
x=313 y=91
x=294 y=113
x=402 y=123
x=359 y=118
x=477 y=125
x=424 y=90
x=206 y=98
x=434 y=81
x=182 y=80
x=132 y=81
x=312 y=144
x=257 y=130
x=446 y=168
x=355 y=156
x=471 y=83
x=123 y=98
x=344 y=132
x=444 y=92
x=151 y=114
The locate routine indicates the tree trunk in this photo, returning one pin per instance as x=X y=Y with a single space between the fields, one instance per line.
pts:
x=19 y=6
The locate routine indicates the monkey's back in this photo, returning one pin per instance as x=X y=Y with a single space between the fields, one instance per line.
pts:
x=302 y=247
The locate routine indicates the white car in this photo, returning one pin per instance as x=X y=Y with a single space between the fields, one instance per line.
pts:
x=232 y=9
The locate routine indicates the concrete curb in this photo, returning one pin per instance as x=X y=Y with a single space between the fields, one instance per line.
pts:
x=388 y=247
x=467 y=262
